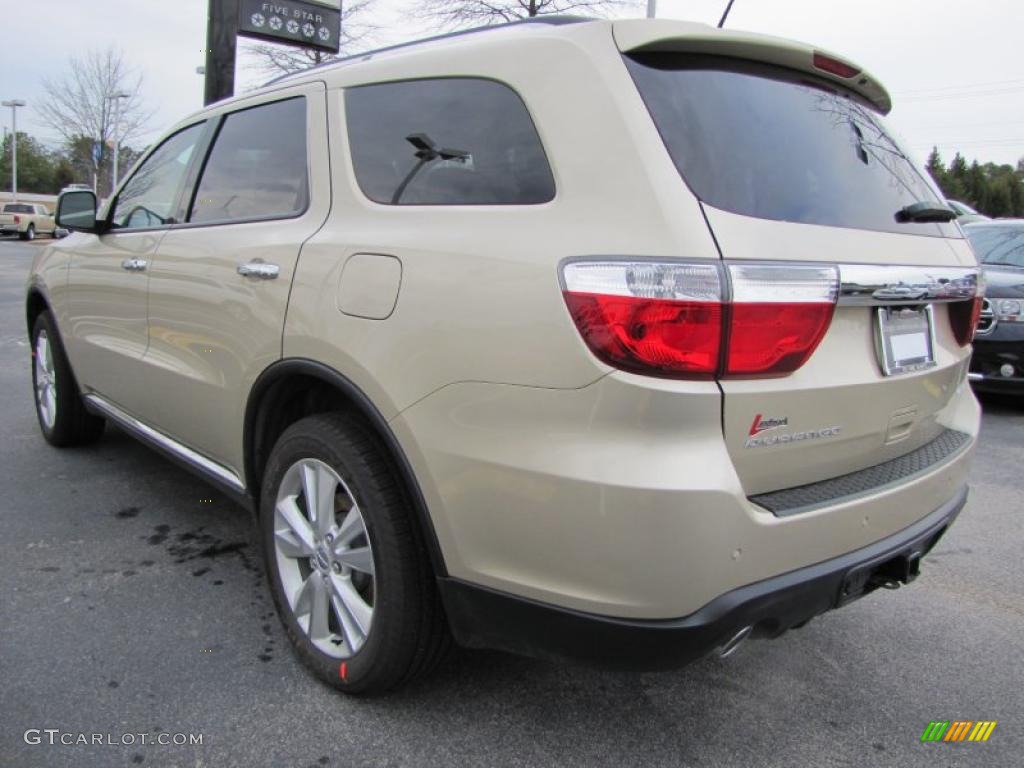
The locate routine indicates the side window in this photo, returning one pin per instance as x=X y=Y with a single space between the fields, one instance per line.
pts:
x=150 y=197
x=257 y=167
x=451 y=141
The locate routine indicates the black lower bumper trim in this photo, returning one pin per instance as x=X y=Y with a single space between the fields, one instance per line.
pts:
x=485 y=618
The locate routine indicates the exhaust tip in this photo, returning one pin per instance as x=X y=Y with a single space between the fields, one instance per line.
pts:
x=734 y=642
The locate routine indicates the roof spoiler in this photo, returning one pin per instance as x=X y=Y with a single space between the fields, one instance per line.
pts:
x=637 y=35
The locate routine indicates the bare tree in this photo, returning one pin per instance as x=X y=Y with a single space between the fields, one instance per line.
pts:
x=465 y=13
x=80 y=104
x=275 y=59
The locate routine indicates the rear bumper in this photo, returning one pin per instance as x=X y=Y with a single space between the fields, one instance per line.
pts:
x=485 y=618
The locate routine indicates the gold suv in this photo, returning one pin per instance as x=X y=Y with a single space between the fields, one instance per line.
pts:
x=614 y=341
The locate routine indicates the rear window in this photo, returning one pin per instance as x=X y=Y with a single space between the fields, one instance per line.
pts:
x=18 y=208
x=998 y=244
x=769 y=142
x=451 y=141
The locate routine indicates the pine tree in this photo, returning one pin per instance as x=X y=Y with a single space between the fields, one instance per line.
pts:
x=936 y=168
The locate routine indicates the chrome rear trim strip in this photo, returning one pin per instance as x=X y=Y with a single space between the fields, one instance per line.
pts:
x=147 y=434
x=975 y=377
x=872 y=285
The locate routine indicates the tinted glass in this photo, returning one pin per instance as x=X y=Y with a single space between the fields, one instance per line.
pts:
x=768 y=142
x=257 y=167
x=456 y=141
x=17 y=208
x=150 y=197
x=998 y=244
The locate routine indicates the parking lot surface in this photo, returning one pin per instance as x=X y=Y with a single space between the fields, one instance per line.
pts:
x=133 y=603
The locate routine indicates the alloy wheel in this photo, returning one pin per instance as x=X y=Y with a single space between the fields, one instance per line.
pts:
x=45 y=380
x=324 y=558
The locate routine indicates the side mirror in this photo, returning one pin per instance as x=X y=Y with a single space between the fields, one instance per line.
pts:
x=76 y=211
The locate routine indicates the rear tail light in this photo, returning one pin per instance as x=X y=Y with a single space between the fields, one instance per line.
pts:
x=964 y=315
x=17 y=219
x=963 y=318
x=680 y=320
x=657 y=318
x=779 y=316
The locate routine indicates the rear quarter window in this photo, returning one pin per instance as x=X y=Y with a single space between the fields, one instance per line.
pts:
x=773 y=143
x=450 y=141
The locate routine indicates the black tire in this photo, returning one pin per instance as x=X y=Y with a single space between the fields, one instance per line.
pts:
x=28 y=234
x=72 y=424
x=409 y=634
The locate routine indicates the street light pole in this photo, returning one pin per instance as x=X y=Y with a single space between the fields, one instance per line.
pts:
x=652 y=8
x=14 y=104
x=116 y=98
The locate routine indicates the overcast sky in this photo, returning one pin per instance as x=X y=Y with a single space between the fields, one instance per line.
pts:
x=957 y=78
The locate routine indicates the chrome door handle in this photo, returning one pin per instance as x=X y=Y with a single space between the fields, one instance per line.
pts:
x=134 y=265
x=259 y=269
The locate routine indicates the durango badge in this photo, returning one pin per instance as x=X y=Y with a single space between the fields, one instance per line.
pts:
x=761 y=424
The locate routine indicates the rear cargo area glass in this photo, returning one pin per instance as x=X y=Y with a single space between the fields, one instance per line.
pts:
x=777 y=144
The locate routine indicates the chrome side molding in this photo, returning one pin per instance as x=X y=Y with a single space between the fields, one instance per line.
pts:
x=216 y=472
x=873 y=285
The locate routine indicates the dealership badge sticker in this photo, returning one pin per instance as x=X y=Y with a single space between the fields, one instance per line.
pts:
x=958 y=730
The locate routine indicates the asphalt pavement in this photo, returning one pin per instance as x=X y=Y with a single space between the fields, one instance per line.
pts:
x=133 y=604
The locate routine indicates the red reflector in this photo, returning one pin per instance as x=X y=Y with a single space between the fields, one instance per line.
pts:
x=774 y=338
x=963 y=318
x=659 y=337
x=834 y=66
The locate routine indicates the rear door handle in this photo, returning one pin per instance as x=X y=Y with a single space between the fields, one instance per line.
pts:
x=259 y=269
x=134 y=265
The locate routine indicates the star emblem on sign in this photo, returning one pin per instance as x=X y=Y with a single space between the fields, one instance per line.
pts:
x=324 y=33
x=293 y=26
x=275 y=22
x=258 y=19
x=308 y=29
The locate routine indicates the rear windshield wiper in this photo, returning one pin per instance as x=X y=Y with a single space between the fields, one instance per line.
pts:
x=925 y=212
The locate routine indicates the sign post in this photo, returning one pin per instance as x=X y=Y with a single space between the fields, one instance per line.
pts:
x=221 y=38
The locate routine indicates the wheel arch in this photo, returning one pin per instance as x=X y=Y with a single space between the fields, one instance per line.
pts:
x=35 y=304
x=301 y=387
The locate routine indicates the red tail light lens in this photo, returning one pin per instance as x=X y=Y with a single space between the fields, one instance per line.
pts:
x=963 y=318
x=651 y=336
x=669 y=319
x=774 y=339
x=659 y=319
x=17 y=219
x=780 y=313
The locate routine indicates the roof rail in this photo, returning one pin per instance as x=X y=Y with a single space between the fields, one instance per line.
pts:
x=552 y=20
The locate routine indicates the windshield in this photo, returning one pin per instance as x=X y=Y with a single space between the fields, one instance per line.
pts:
x=1001 y=244
x=769 y=142
x=17 y=208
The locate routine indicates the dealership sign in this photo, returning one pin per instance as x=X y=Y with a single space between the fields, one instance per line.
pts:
x=296 y=22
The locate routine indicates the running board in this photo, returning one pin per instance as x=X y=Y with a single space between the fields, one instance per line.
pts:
x=196 y=462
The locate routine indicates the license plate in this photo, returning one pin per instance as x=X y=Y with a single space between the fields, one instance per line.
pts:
x=906 y=340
